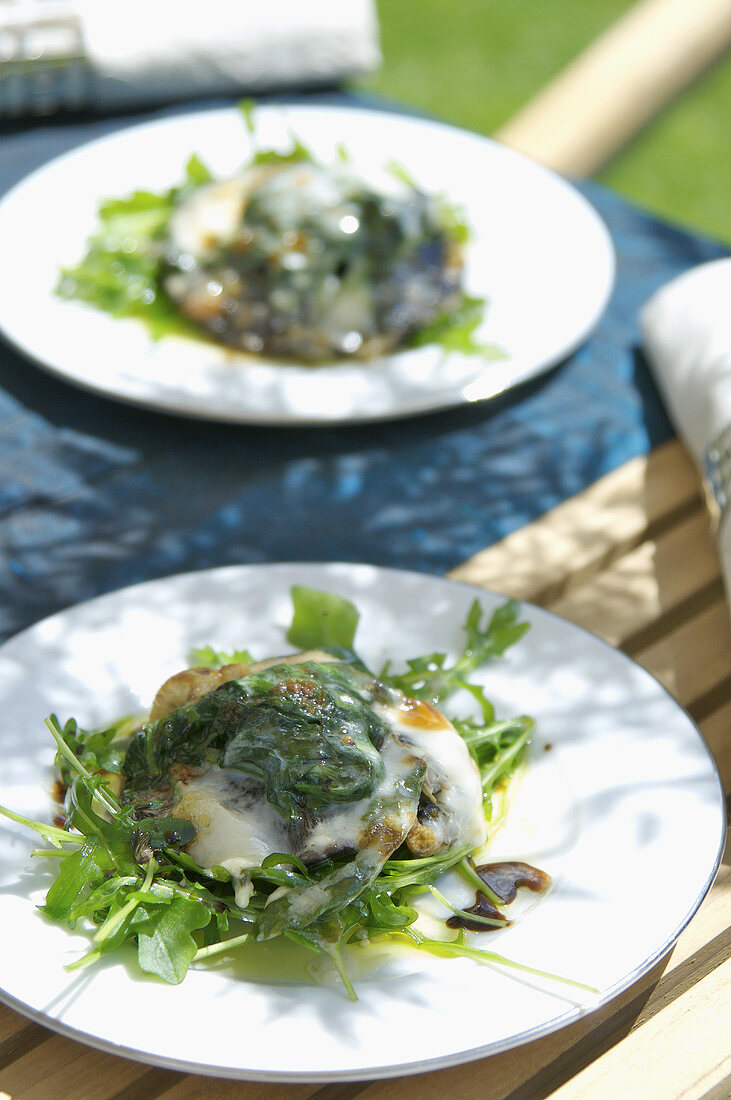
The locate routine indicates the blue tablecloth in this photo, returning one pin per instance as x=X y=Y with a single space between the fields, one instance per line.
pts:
x=95 y=495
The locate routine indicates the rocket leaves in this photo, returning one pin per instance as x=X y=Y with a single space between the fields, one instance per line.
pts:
x=208 y=657
x=156 y=904
x=432 y=678
x=321 y=620
x=120 y=272
x=306 y=730
x=165 y=946
x=79 y=874
x=100 y=750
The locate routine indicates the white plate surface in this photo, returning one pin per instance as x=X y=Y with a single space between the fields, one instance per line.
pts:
x=626 y=796
x=541 y=254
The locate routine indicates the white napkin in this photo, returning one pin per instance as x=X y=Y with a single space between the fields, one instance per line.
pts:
x=124 y=52
x=687 y=332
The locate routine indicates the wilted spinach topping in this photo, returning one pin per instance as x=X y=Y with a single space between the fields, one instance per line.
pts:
x=307 y=731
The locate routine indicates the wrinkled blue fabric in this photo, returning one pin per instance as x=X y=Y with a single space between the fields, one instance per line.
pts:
x=95 y=495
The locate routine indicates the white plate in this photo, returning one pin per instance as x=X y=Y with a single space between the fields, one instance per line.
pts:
x=541 y=254
x=627 y=794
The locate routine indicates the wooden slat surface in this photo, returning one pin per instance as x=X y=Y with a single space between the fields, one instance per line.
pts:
x=631 y=559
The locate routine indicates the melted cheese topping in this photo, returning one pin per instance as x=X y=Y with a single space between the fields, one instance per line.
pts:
x=452 y=777
x=343 y=826
x=237 y=827
x=213 y=216
x=210 y=218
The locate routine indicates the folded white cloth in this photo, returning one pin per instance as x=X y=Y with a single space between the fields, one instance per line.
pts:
x=687 y=333
x=144 y=51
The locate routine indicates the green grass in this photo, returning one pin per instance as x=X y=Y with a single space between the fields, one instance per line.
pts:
x=476 y=62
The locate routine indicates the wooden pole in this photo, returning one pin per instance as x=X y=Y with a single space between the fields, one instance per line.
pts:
x=602 y=98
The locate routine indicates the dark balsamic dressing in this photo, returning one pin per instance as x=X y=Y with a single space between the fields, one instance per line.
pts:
x=504 y=879
x=58 y=795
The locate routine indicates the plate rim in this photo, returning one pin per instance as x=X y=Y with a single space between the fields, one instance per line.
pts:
x=394 y=1070
x=454 y=399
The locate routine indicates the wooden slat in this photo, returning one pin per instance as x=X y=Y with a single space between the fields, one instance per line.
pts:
x=10 y=1024
x=707 y=636
x=631 y=559
x=694 y=1037
x=570 y=543
x=598 y=102
x=206 y=1088
x=73 y=1070
x=643 y=593
x=25 y=1037
x=716 y=729
x=65 y=1070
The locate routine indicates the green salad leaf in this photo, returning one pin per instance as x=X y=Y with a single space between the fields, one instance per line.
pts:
x=208 y=657
x=100 y=750
x=321 y=619
x=454 y=330
x=432 y=678
x=120 y=271
x=165 y=946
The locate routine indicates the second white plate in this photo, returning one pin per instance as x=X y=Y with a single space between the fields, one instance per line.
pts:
x=540 y=254
x=626 y=796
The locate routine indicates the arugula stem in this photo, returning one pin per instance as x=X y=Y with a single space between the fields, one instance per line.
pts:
x=488 y=957
x=196 y=895
x=85 y=960
x=489 y=921
x=102 y=795
x=489 y=733
x=445 y=859
x=52 y=853
x=51 y=833
x=152 y=866
x=503 y=760
x=417 y=872
x=337 y=958
x=541 y=973
x=453 y=947
x=469 y=874
x=219 y=948
x=114 y=920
